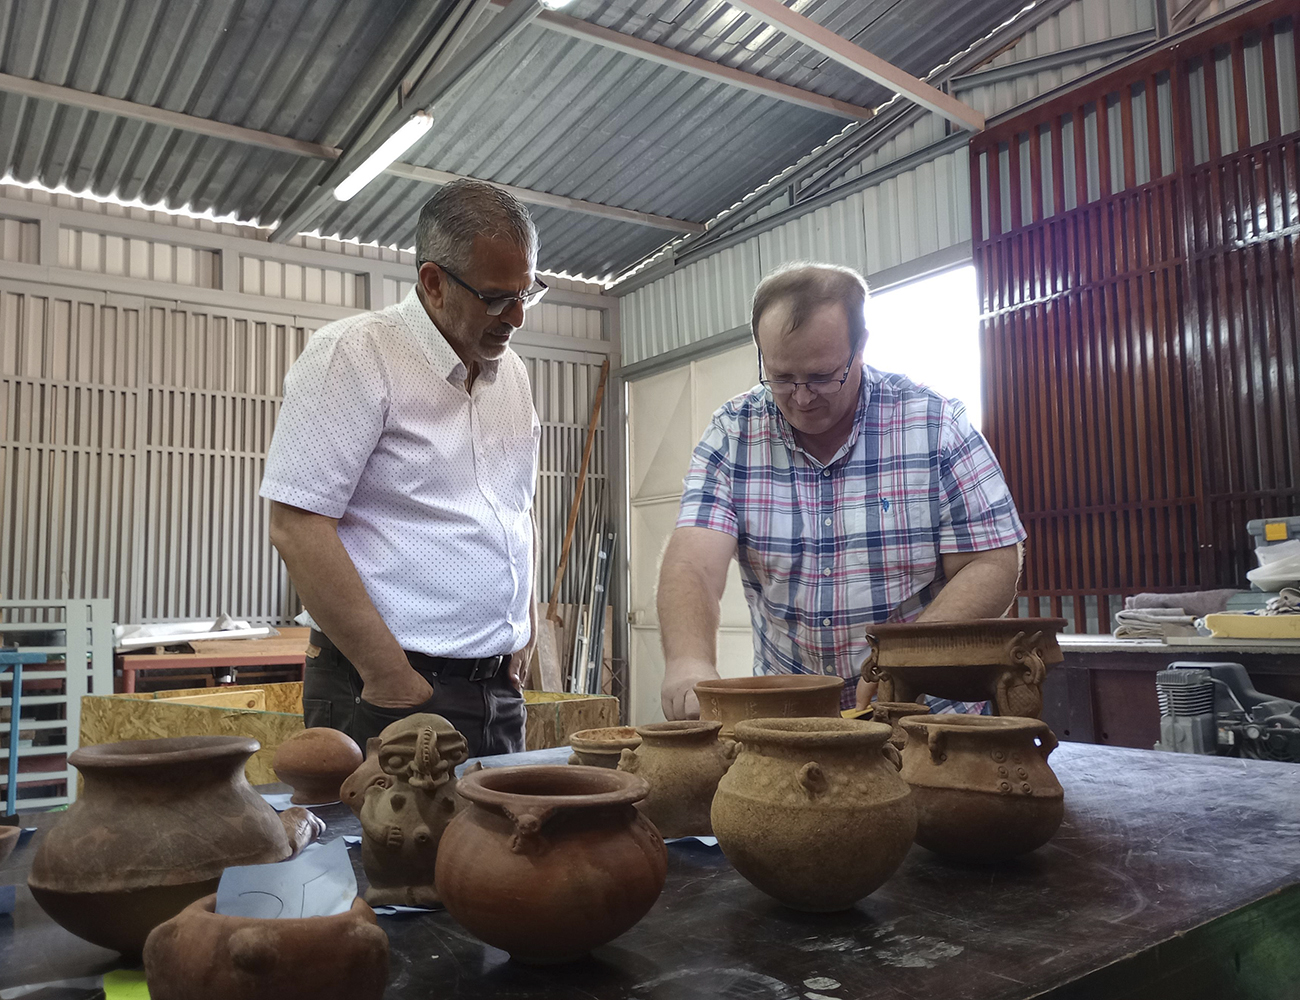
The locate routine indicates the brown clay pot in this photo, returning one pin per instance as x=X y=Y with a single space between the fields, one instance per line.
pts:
x=891 y=712
x=813 y=811
x=369 y=772
x=776 y=696
x=1001 y=660
x=316 y=762
x=683 y=761
x=156 y=824
x=601 y=747
x=982 y=786
x=8 y=841
x=549 y=862
x=200 y=954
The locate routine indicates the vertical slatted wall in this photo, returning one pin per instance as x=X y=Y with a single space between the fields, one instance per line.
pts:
x=1135 y=241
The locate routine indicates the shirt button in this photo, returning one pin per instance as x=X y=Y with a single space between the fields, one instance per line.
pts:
x=827 y=522
x=826 y=472
x=826 y=571
x=826 y=621
x=358 y=701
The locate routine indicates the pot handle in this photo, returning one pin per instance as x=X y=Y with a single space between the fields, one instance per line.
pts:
x=892 y=755
x=1050 y=743
x=938 y=743
x=812 y=779
x=301 y=827
x=870 y=668
x=527 y=838
x=628 y=761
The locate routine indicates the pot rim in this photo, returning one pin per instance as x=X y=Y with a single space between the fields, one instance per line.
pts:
x=609 y=787
x=127 y=754
x=774 y=684
x=999 y=724
x=813 y=732
x=591 y=740
x=994 y=626
x=683 y=727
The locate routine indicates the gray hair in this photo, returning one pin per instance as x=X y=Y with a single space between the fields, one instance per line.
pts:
x=464 y=209
x=805 y=287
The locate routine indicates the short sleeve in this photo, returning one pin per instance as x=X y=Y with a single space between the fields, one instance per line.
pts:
x=706 y=500
x=335 y=405
x=976 y=510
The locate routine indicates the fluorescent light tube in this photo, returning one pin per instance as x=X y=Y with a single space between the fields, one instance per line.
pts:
x=555 y=4
x=396 y=144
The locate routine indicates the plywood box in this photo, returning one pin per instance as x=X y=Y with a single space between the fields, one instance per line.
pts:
x=552 y=717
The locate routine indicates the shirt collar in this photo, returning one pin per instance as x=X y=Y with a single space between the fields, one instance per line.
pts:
x=786 y=433
x=445 y=361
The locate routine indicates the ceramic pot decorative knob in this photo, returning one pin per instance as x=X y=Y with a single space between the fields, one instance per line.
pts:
x=813 y=811
x=156 y=824
x=200 y=954
x=983 y=788
x=683 y=762
x=316 y=762
x=549 y=862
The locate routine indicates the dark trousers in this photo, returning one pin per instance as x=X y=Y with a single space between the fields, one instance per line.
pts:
x=488 y=713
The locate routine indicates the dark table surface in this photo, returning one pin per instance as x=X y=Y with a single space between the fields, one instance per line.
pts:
x=1172 y=875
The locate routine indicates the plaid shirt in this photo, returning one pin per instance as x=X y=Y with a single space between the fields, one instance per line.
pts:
x=824 y=551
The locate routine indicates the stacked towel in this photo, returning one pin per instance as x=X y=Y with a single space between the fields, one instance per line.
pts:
x=1153 y=623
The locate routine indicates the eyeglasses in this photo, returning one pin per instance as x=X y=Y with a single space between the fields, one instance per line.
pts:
x=496 y=305
x=817 y=386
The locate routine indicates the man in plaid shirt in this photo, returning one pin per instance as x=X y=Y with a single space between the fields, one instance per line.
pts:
x=849 y=496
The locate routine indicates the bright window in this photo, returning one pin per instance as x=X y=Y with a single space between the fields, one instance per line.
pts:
x=929 y=330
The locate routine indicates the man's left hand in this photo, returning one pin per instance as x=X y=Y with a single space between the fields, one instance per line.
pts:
x=519 y=663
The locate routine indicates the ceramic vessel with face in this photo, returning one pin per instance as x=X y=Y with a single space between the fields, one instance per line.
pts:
x=982 y=786
x=549 y=862
x=154 y=827
x=813 y=811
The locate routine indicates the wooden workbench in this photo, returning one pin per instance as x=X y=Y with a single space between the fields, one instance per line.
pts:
x=1173 y=876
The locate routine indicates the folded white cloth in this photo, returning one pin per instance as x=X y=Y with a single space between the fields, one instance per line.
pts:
x=1153 y=623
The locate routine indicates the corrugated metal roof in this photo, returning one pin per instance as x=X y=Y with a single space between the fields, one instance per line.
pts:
x=547 y=112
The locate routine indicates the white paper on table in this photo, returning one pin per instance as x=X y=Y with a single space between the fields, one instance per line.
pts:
x=280 y=801
x=706 y=841
x=319 y=882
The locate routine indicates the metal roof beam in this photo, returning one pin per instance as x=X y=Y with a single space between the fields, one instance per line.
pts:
x=529 y=196
x=504 y=26
x=283 y=144
x=575 y=27
x=858 y=59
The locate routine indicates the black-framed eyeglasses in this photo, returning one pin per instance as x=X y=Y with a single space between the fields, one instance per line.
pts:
x=496 y=305
x=817 y=386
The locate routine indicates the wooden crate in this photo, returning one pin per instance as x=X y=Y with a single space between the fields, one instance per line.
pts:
x=151 y=715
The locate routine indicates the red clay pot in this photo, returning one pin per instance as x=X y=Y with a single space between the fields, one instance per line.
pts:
x=316 y=762
x=203 y=955
x=549 y=862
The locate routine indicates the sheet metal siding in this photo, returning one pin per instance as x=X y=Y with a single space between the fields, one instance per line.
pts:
x=134 y=424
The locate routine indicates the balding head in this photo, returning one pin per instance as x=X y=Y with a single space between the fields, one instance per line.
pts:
x=796 y=291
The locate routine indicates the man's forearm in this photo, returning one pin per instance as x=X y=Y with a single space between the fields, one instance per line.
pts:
x=333 y=594
x=689 y=616
x=983 y=588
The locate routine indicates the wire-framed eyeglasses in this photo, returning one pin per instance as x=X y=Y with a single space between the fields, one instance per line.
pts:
x=817 y=386
x=496 y=305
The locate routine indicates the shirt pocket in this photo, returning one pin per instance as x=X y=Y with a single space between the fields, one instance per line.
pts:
x=515 y=474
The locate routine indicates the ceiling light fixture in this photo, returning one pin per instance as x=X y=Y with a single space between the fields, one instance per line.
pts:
x=378 y=161
x=555 y=4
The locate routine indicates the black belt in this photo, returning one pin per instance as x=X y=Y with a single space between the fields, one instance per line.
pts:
x=481 y=668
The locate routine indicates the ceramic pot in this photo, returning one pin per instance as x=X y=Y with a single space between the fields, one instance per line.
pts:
x=200 y=954
x=1000 y=660
x=813 y=811
x=982 y=786
x=156 y=824
x=8 y=841
x=683 y=761
x=316 y=762
x=352 y=792
x=550 y=862
x=601 y=747
x=891 y=712
x=776 y=696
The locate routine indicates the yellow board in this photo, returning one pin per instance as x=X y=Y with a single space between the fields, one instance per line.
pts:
x=1238 y=626
x=1275 y=531
x=225 y=699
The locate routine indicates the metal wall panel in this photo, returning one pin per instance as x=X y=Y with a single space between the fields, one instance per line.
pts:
x=151 y=260
x=19 y=240
x=277 y=279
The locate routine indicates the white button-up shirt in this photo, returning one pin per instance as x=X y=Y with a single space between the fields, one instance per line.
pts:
x=432 y=486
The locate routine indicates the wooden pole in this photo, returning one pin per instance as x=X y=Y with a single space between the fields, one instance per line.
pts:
x=577 y=493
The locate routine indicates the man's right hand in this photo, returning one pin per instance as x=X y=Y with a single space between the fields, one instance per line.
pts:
x=397 y=688
x=678 y=692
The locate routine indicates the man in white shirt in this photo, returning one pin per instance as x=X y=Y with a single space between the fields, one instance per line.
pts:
x=402 y=474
